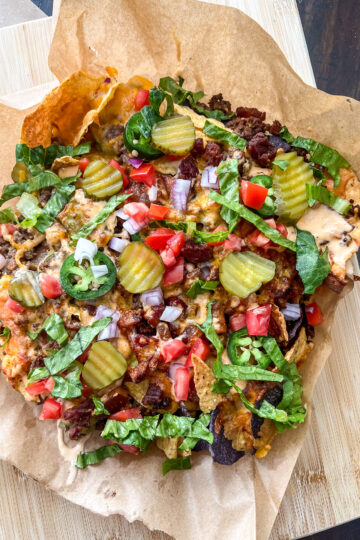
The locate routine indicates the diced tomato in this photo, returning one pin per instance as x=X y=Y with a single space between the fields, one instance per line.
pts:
x=175 y=158
x=158 y=239
x=52 y=410
x=124 y=415
x=83 y=163
x=271 y=222
x=14 y=306
x=201 y=349
x=86 y=390
x=253 y=195
x=142 y=99
x=258 y=319
x=10 y=228
x=168 y=257
x=258 y=239
x=176 y=242
x=181 y=387
x=50 y=286
x=237 y=321
x=172 y=349
x=233 y=243
x=130 y=448
x=137 y=210
x=120 y=168
x=39 y=387
x=313 y=314
x=145 y=173
x=282 y=229
x=218 y=229
x=157 y=211
x=175 y=274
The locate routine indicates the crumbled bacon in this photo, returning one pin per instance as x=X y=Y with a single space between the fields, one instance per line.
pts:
x=262 y=150
x=188 y=168
x=214 y=154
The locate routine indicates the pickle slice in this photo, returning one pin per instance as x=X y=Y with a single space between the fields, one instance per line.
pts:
x=24 y=288
x=242 y=273
x=175 y=135
x=20 y=172
x=104 y=365
x=141 y=268
x=100 y=180
x=290 y=186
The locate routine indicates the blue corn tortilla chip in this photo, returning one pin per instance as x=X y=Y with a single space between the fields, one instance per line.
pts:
x=221 y=449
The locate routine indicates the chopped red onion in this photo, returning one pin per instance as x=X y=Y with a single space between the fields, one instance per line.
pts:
x=118 y=244
x=170 y=314
x=292 y=312
x=99 y=270
x=179 y=193
x=111 y=331
x=136 y=162
x=2 y=261
x=121 y=214
x=152 y=297
x=209 y=178
x=153 y=191
x=174 y=366
x=133 y=226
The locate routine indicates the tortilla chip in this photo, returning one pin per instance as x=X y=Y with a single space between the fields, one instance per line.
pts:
x=169 y=446
x=266 y=434
x=300 y=350
x=280 y=322
x=66 y=113
x=204 y=380
x=236 y=419
x=137 y=390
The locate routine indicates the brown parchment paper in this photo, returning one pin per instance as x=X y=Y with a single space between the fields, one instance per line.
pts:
x=218 y=49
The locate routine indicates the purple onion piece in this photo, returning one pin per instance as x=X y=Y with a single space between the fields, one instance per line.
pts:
x=2 y=261
x=153 y=193
x=209 y=178
x=292 y=312
x=136 y=162
x=179 y=193
x=121 y=214
x=118 y=244
x=133 y=226
x=174 y=366
x=152 y=297
x=170 y=314
x=110 y=332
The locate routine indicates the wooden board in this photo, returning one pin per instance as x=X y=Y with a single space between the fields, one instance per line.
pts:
x=324 y=489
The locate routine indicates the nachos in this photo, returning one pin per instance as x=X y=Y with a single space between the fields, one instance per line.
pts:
x=160 y=264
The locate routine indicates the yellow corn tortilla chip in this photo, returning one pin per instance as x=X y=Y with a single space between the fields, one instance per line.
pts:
x=236 y=419
x=66 y=113
x=137 y=390
x=279 y=319
x=300 y=350
x=265 y=436
x=204 y=380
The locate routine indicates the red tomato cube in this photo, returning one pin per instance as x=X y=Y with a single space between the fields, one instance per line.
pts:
x=258 y=320
x=313 y=314
x=52 y=410
x=237 y=321
x=157 y=211
x=253 y=195
x=50 y=286
x=175 y=274
x=158 y=239
x=182 y=381
x=145 y=173
x=172 y=349
x=142 y=99
x=124 y=415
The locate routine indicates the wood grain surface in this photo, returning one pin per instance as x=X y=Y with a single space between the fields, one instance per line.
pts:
x=325 y=486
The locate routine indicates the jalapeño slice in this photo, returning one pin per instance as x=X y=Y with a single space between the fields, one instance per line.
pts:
x=79 y=281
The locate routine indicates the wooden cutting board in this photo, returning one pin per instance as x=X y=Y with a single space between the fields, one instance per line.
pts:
x=325 y=486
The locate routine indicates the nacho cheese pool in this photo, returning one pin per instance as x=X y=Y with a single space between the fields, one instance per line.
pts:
x=160 y=267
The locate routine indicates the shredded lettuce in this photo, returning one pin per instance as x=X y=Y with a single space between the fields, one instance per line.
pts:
x=286 y=135
x=69 y=386
x=102 y=216
x=228 y=175
x=8 y=216
x=199 y=287
x=99 y=406
x=54 y=328
x=176 y=464
x=313 y=266
x=256 y=220
x=180 y=95
x=323 y=195
x=323 y=155
x=6 y=334
x=202 y=237
x=63 y=358
x=208 y=328
x=247 y=373
x=223 y=135
x=44 y=157
x=95 y=456
x=281 y=163
x=187 y=227
x=37 y=374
